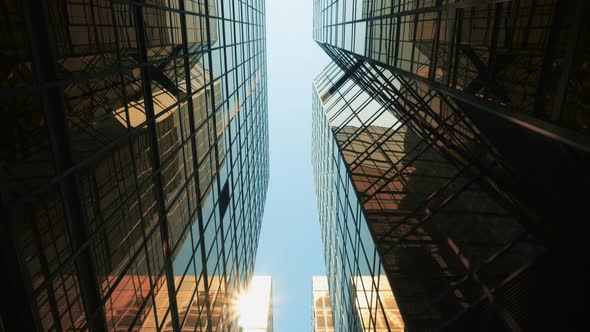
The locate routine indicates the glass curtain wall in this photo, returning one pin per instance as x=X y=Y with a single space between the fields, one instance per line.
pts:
x=515 y=74
x=355 y=273
x=513 y=53
x=134 y=161
x=448 y=249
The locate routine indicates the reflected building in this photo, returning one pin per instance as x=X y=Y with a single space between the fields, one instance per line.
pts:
x=365 y=300
x=491 y=127
x=397 y=214
x=134 y=162
x=504 y=84
x=359 y=297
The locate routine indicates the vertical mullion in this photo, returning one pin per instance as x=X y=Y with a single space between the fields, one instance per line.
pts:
x=155 y=159
x=213 y=118
x=435 y=41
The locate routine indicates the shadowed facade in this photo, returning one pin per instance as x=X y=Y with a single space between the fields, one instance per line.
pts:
x=134 y=162
x=456 y=254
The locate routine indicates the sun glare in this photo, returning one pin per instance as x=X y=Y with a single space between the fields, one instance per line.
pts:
x=252 y=307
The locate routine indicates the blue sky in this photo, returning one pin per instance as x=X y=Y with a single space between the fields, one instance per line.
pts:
x=290 y=248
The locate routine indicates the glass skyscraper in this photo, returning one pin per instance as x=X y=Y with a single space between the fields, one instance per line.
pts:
x=460 y=130
x=360 y=295
x=504 y=84
x=134 y=162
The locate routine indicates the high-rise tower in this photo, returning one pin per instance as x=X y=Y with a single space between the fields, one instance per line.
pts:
x=503 y=85
x=462 y=127
x=134 y=162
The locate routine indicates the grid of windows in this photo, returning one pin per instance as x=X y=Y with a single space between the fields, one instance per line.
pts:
x=504 y=81
x=356 y=276
x=494 y=90
x=521 y=54
x=134 y=161
x=448 y=248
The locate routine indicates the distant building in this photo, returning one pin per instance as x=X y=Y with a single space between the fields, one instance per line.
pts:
x=134 y=162
x=321 y=307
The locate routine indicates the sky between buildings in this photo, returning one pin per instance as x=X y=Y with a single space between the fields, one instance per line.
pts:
x=290 y=248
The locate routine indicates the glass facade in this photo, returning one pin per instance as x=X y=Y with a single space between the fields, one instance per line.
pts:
x=508 y=52
x=504 y=83
x=134 y=162
x=476 y=184
x=356 y=277
x=365 y=302
x=396 y=215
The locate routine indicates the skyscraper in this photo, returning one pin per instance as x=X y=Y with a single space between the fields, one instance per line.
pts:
x=360 y=295
x=504 y=82
x=396 y=214
x=134 y=162
x=444 y=115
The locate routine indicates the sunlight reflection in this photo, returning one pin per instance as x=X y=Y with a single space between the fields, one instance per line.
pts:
x=254 y=308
